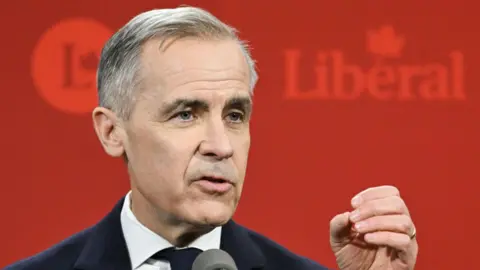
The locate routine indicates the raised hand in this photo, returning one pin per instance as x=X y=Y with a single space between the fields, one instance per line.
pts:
x=377 y=235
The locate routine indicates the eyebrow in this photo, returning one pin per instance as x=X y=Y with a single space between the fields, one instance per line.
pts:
x=238 y=102
x=183 y=103
x=241 y=103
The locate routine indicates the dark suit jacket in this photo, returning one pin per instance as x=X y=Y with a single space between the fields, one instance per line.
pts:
x=103 y=247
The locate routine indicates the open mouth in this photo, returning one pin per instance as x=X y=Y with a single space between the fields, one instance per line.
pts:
x=214 y=185
x=214 y=180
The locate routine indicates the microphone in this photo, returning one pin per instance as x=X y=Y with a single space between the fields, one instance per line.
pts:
x=214 y=259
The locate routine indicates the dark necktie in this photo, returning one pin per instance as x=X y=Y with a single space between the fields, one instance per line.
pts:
x=180 y=259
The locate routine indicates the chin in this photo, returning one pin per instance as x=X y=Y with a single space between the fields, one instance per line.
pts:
x=211 y=213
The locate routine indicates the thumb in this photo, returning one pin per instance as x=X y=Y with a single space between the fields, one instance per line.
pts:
x=340 y=227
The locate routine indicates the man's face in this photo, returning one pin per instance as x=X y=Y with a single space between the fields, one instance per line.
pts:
x=188 y=137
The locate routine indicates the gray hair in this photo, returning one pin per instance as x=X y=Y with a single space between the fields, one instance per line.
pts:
x=119 y=67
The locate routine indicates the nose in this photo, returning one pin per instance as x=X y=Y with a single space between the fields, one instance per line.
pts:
x=217 y=142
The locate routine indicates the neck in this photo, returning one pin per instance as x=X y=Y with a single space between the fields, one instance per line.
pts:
x=175 y=231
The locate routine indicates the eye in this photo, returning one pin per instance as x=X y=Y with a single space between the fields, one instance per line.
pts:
x=184 y=116
x=235 y=117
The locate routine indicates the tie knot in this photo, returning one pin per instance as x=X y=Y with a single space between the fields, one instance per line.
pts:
x=180 y=259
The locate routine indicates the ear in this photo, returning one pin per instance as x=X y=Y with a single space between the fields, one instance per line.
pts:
x=109 y=131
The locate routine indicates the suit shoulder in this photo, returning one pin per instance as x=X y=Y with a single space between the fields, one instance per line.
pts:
x=281 y=256
x=59 y=256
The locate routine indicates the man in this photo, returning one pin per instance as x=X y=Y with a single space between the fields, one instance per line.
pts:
x=175 y=92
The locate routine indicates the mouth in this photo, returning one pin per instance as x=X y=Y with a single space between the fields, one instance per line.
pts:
x=212 y=184
x=212 y=179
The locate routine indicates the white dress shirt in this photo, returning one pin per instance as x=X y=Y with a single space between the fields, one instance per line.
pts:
x=142 y=243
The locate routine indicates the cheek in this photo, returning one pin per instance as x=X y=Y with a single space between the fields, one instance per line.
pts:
x=145 y=149
x=242 y=148
x=158 y=154
x=166 y=160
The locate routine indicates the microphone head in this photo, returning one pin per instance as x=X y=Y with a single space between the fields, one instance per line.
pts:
x=214 y=259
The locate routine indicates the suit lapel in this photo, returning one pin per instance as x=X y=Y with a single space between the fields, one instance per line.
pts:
x=237 y=242
x=105 y=248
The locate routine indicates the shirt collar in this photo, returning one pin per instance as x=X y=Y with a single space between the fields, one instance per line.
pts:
x=142 y=243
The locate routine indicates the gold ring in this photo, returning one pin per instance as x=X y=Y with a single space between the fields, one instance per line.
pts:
x=414 y=234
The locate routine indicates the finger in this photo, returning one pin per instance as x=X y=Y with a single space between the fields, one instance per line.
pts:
x=374 y=194
x=397 y=241
x=339 y=226
x=386 y=206
x=393 y=223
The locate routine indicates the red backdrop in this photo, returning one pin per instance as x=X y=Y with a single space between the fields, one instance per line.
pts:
x=352 y=94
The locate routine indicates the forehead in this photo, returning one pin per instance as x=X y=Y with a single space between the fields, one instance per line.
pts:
x=194 y=67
